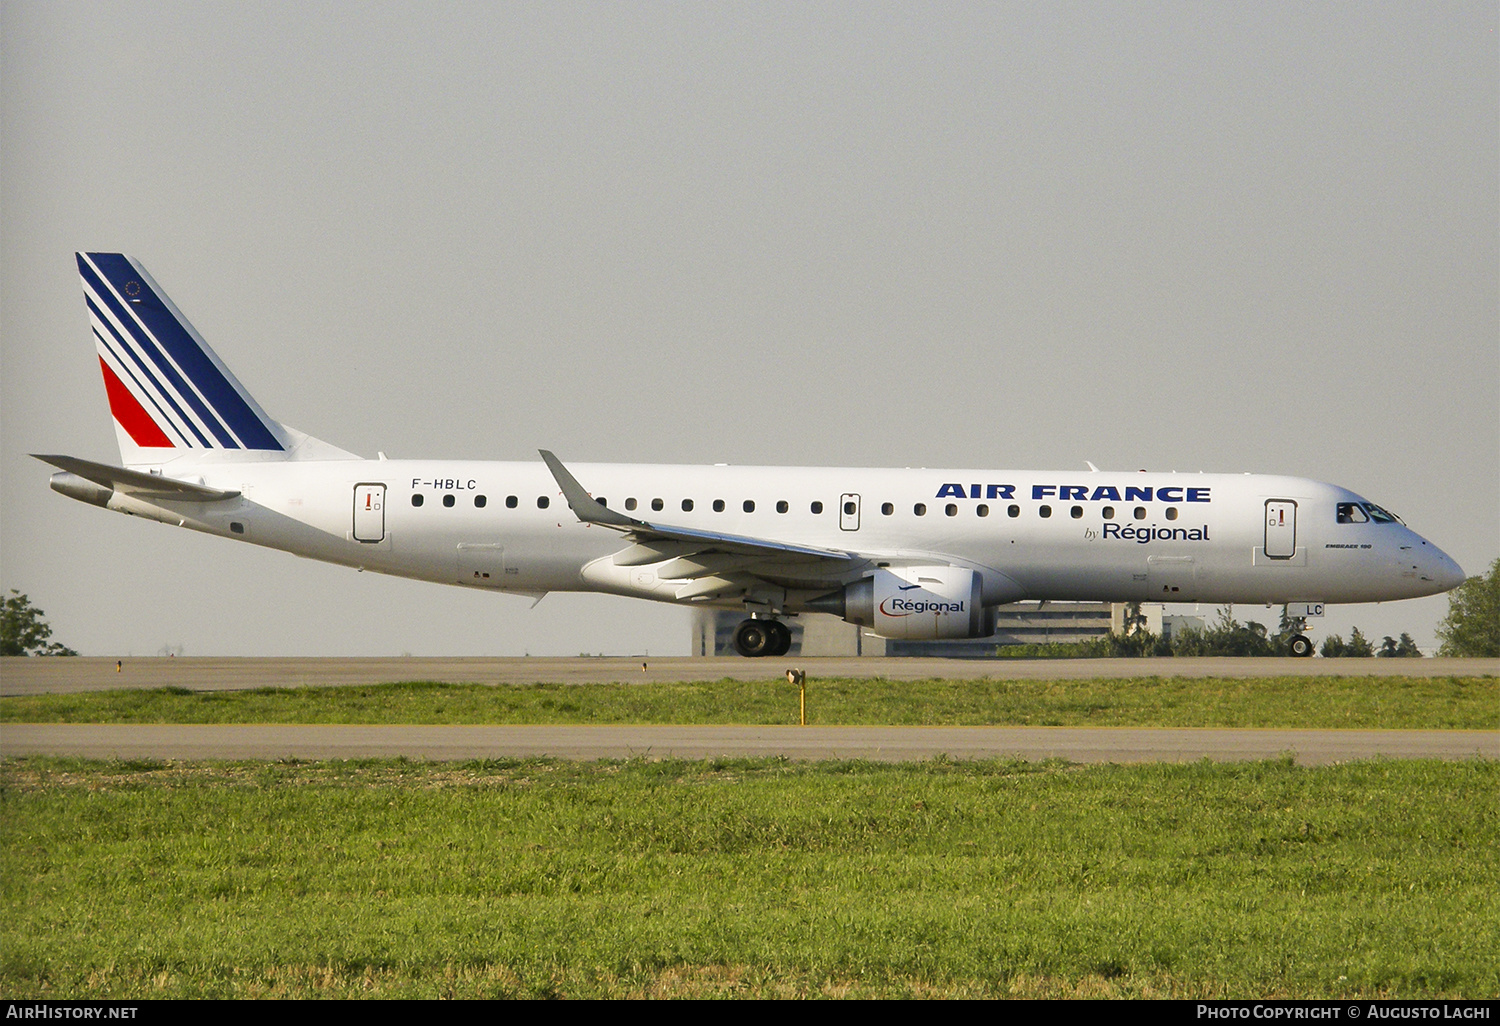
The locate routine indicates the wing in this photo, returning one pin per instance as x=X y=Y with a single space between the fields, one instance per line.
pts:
x=709 y=563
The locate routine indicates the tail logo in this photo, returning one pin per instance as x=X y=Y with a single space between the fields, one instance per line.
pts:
x=166 y=388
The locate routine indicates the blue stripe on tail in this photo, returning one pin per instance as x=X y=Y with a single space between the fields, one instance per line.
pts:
x=120 y=349
x=221 y=408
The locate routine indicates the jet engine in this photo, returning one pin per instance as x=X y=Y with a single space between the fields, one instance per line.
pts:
x=919 y=603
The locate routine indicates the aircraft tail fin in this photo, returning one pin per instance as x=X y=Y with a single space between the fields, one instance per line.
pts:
x=170 y=394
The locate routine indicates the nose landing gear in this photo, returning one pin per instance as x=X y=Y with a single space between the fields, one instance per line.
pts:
x=1302 y=646
x=762 y=638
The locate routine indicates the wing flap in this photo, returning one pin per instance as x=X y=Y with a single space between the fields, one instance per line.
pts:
x=642 y=554
x=704 y=564
x=712 y=587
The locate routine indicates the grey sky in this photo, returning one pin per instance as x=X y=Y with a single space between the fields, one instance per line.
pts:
x=1175 y=236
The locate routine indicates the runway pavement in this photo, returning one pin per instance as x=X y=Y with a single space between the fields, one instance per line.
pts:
x=22 y=676
x=1086 y=744
x=884 y=744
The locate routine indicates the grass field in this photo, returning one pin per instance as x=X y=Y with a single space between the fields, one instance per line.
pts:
x=748 y=878
x=758 y=878
x=1309 y=702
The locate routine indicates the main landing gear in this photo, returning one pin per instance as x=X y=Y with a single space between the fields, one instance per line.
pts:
x=1301 y=646
x=762 y=638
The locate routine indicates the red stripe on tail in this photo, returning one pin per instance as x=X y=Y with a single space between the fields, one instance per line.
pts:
x=131 y=415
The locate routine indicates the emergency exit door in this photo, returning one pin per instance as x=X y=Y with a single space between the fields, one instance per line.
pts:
x=1281 y=528
x=369 y=512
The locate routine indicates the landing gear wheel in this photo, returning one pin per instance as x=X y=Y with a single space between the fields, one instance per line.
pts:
x=752 y=638
x=781 y=637
x=1302 y=646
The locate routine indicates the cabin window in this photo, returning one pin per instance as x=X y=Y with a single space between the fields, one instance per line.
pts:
x=887 y=508
x=657 y=505
x=1013 y=511
x=480 y=502
x=748 y=505
x=817 y=507
x=630 y=503
x=718 y=505
x=1171 y=512
x=850 y=509
x=1109 y=512
x=687 y=505
x=416 y=500
x=951 y=509
x=920 y=509
x=1140 y=512
x=511 y=501
x=542 y=502
x=448 y=501
x=602 y=501
x=782 y=507
x=1044 y=512
x=981 y=510
x=1076 y=512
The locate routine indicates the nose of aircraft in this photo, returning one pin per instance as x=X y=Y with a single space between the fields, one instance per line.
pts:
x=1446 y=572
x=1438 y=567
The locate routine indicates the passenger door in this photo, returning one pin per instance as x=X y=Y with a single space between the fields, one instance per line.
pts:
x=1281 y=528
x=369 y=513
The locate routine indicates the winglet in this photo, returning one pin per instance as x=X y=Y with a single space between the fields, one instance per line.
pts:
x=580 y=502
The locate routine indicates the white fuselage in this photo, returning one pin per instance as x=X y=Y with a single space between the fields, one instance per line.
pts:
x=918 y=554
x=1034 y=535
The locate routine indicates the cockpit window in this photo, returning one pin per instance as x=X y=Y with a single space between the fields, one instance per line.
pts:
x=1350 y=513
x=1380 y=516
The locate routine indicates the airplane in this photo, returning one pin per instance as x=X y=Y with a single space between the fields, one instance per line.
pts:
x=911 y=553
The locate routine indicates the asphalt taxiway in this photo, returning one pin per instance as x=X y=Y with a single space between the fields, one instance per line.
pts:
x=881 y=744
x=21 y=676
x=1077 y=744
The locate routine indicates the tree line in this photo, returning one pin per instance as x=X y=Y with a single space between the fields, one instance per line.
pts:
x=24 y=629
x=1228 y=637
x=1471 y=628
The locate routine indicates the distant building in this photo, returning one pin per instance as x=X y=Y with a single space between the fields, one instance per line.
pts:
x=1020 y=623
x=1157 y=622
x=1170 y=625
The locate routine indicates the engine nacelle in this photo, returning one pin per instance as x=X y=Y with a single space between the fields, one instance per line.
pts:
x=918 y=603
x=82 y=489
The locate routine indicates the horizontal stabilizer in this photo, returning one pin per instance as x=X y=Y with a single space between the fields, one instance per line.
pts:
x=134 y=482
